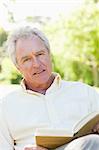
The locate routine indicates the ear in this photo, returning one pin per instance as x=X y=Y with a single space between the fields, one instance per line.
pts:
x=18 y=68
x=19 y=71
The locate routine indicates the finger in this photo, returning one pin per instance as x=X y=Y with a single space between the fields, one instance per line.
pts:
x=41 y=148
x=34 y=147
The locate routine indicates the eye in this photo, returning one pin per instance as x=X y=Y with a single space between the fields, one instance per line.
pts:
x=26 y=59
x=40 y=54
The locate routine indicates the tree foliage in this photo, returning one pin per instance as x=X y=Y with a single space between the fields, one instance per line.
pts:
x=79 y=36
x=9 y=74
x=3 y=38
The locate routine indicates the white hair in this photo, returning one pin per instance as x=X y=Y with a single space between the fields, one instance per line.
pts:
x=23 y=32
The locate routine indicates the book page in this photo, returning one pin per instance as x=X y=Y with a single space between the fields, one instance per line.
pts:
x=85 y=120
x=53 y=132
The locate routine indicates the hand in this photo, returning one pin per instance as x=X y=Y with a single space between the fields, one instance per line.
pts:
x=34 y=147
x=96 y=128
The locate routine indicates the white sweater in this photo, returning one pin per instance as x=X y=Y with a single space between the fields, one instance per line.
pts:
x=23 y=111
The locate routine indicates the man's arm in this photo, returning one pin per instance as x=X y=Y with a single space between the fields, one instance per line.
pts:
x=6 y=141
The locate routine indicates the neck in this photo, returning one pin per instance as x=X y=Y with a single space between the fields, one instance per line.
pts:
x=41 y=88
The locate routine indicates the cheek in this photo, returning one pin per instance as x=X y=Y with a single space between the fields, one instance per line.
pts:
x=27 y=74
x=27 y=65
x=25 y=69
x=49 y=66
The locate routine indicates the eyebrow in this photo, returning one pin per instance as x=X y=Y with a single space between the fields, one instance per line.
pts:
x=40 y=51
x=25 y=57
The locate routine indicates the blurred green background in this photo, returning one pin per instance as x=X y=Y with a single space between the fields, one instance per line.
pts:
x=74 y=43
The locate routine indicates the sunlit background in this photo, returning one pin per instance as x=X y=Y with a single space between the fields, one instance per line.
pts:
x=19 y=11
x=72 y=27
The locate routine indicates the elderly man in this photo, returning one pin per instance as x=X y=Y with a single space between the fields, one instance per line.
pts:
x=45 y=100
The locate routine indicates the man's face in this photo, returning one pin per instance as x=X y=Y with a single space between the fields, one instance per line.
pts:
x=33 y=60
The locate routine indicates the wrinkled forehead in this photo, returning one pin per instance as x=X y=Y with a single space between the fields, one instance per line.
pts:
x=33 y=41
x=29 y=45
x=32 y=38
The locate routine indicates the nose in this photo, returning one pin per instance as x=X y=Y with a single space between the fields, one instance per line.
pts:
x=35 y=62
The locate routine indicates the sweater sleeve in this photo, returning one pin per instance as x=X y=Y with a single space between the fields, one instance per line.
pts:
x=6 y=141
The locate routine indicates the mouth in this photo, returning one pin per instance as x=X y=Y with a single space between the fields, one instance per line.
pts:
x=37 y=73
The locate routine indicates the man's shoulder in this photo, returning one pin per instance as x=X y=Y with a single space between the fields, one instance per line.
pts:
x=80 y=91
x=76 y=86
x=74 y=83
x=12 y=95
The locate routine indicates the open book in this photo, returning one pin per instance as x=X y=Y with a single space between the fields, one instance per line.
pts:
x=53 y=138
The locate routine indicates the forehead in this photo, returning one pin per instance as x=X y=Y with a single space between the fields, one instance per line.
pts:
x=27 y=45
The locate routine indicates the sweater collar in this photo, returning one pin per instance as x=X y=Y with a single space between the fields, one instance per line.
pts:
x=54 y=86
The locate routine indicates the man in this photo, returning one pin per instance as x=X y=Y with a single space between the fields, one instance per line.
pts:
x=44 y=99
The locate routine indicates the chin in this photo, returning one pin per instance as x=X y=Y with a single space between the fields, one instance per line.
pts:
x=43 y=80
